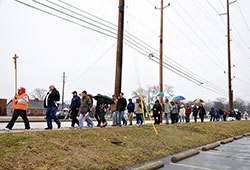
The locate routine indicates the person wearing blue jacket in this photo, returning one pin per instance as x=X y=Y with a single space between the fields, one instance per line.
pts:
x=212 y=114
x=131 y=109
x=74 y=109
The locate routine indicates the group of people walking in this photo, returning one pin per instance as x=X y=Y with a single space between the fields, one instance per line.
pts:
x=172 y=111
x=218 y=115
x=179 y=113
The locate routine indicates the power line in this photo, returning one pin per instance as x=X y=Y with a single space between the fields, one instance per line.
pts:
x=92 y=65
x=243 y=81
x=128 y=37
x=75 y=17
x=238 y=4
x=203 y=33
x=66 y=20
x=208 y=15
x=83 y=16
x=198 y=38
x=170 y=44
x=174 y=71
x=235 y=28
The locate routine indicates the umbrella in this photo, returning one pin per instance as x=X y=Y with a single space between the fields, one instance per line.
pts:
x=198 y=101
x=178 y=98
x=161 y=94
x=104 y=99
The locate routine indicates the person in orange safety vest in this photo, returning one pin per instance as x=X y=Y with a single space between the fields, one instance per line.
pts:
x=20 y=107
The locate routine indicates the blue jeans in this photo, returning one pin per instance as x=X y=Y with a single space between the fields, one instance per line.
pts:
x=51 y=114
x=88 y=120
x=182 y=118
x=167 y=117
x=121 y=116
x=221 y=117
x=139 y=118
x=114 y=118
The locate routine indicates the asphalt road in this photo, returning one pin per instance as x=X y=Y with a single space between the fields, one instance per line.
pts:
x=231 y=156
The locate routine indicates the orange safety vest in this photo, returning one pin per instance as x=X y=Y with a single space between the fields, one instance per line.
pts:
x=19 y=106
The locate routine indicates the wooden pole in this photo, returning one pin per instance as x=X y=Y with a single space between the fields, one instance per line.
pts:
x=63 y=91
x=161 y=57
x=118 y=73
x=230 y=96
x=15 y=64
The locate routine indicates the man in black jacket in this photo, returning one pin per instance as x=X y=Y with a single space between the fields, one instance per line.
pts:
x=50 y=102
x=74 y=109
x=202 y=112
x=121 y=106
x=157 y=112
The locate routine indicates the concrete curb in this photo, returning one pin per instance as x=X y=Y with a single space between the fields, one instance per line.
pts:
x=208 y=147
x=227 y=141
x=151 y=166
x=246 y=134
x=184 y=155
x=238 y=137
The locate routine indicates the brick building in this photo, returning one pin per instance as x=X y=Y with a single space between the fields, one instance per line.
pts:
x=3 y=103
x=35 y=108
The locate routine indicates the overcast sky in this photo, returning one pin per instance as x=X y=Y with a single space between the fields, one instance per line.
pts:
x=194 y=36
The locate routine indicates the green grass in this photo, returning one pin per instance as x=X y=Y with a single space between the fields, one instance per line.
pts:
x=92 y=149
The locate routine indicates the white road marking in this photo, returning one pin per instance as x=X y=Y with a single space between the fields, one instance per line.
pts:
x=190 y=166
x=223 y=154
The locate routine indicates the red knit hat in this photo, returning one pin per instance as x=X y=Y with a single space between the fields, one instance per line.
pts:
x=22 y=90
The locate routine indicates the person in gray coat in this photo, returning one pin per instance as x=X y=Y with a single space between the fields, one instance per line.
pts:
x=85 y=108
x=167 y=110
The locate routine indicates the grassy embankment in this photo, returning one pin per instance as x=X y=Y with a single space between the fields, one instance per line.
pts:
x=92 y=149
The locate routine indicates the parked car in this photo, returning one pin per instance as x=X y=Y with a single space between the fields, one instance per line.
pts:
x=61 y=115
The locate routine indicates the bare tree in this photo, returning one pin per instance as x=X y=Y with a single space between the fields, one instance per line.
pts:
x=38 y=93
x=240 y=105
x=220 y=103
x=137 y=92
x=169 y=90
x=151 y=92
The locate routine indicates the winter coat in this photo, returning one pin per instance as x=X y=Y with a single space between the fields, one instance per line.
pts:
x=187 y=110
x=174 y=109
x=221 y=112
x=156 y=109
x=52 y=98
x=113 y=106
x=75 y=103
x=138 y=108
x=212 y=112
x=86 y=104
x=121 y=104
x=202 y=112
x=167 y=108
x=131 y=107
x=195 y=111
x=182 y=112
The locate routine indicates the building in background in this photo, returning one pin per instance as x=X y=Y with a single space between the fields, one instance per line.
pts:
x=3 y=103
x=35 y=108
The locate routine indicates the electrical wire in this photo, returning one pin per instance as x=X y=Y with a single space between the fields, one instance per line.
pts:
x=244 y=19
x=92 y=65
x=205 y=34
x=71 y=22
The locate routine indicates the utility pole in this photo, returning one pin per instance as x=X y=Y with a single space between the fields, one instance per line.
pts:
x=230 y=96
x=161 y=55
x=63 y=90
x=15 y=64
x=119 y=50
